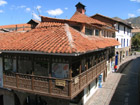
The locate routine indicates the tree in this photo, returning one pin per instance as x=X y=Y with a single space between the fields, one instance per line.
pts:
x=136 y=40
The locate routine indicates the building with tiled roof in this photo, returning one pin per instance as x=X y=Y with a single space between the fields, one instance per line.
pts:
x=135 y=30
x=60 y=62
x=20 y=27
x=100 y=29
x=123 y=35
x=17 y=27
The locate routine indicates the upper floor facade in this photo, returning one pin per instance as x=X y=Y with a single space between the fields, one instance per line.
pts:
x=123 y=30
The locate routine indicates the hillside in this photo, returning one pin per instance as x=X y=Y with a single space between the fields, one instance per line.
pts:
x=134 y=21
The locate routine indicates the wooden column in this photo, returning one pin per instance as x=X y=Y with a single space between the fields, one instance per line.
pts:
x=17 y=78
x=93 y=32
x=17 y=64
x=3 y=68
x=70 y=77
x=100 y=33
x=32 y=77
x=32 y=60
x=50 y=73
x=3 y=63
x=86 y=70
x=83 y=28
x=80 y=70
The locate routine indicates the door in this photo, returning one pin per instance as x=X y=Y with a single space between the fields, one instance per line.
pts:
x=1 y=99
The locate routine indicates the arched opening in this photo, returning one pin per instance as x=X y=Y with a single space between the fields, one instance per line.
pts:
x=34 y=100
x=17 y=101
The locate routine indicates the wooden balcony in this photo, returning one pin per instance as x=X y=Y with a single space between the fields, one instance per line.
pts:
x=54 y=87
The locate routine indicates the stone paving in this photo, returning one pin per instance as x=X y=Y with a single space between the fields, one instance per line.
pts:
x=104 y=95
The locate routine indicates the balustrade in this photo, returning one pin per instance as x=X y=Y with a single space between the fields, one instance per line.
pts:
x=66 y=88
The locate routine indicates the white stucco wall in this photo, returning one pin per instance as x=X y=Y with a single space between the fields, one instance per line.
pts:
x=1 y=73
x=93 y=87
x=121 y=36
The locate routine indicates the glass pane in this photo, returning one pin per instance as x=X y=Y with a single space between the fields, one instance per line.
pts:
x=10 y=64
x=24 y=66
x=41 y=68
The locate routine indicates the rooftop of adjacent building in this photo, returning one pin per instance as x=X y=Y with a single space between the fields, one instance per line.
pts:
x=128 y=24
x=56 y=36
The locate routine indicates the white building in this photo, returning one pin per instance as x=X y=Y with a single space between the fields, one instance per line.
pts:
x=123 y=35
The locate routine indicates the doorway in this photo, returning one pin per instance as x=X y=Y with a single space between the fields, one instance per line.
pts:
x=1 y=99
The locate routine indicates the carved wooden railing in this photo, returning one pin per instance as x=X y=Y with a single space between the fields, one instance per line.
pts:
x=36 y=84
x=84 y=79
x=50 y=86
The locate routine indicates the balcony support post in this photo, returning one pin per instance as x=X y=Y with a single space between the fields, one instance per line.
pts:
x=70 y=77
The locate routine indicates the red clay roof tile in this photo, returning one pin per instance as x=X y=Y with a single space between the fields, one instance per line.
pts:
x=53 y=38
x=79 y=17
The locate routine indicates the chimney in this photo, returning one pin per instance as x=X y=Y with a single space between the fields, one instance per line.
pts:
x=80 y=8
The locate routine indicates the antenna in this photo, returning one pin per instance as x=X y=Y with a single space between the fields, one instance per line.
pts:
x=38 y=11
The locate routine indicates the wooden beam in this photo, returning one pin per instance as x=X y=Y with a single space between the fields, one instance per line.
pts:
x=3 y=63
x=17 y=78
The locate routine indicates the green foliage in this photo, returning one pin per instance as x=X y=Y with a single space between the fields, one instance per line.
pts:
x=136 y=40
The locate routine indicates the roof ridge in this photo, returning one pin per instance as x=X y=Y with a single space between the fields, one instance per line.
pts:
x=69 y=35
x=49 y=24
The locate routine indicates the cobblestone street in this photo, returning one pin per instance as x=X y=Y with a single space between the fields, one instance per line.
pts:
x=104 y=95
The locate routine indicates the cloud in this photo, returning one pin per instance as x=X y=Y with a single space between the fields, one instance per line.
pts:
x=55 y=12
x=35 y=16
x=1 y=11
x=22 y=6
x=38 y=7
x=3 y=2
x=138 y=10
x=66 y=8
x=136 y=1
x=131 y=15
x=28 y=9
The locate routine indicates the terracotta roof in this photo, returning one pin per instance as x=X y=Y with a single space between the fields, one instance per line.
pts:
x=115 y=20
x=49 y=24
x=136 y=30
x=79 y=17
x=20 y=27
x=59 y=38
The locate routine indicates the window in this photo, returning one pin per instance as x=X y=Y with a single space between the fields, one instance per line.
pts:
x=124 y=29
x=127 y=31
x=88 y=31
x=127 y=42
x=97 y=32
x=10 y=64
x=88 y=90
x=107 y=33
x=117 y=40
x=124 y=42
x=75 y=68
x=76 y=27
x=102 y=32
x=121 y=42
x=118 y=27
x=25 y=65
x=83 y=65
x=41 y=67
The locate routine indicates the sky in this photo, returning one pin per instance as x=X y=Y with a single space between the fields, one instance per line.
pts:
x=21 y=11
